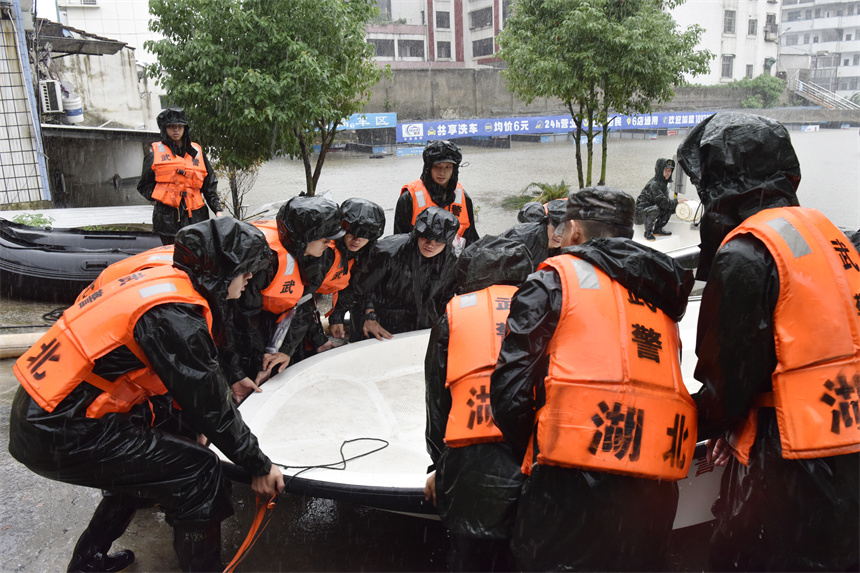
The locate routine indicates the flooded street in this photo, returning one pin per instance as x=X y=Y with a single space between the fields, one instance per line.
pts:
x=42 y=519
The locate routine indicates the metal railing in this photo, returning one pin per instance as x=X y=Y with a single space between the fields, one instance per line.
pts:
x=817 y=94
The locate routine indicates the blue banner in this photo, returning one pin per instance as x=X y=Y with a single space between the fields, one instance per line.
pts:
x=369 y=121
x=428 y=130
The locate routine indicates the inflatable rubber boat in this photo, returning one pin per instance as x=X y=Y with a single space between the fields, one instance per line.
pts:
x=56 y=264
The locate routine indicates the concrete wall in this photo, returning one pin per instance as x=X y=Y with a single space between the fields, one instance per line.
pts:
x=466 y=93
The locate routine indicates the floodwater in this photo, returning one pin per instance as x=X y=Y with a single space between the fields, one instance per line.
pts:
x=41 y=519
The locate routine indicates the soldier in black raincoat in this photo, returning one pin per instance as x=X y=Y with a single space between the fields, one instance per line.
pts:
x=166 y=219
x=775 y=514
x=305 y=226
x=407 y=280
x=541 y=235
x=149 y=454
x=474 y=487
x=570 y=518
x=653 y=205
x=442 y=184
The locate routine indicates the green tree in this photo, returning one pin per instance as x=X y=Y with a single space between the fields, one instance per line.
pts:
x=600 y=58
x=765 y=90
x=261 y=78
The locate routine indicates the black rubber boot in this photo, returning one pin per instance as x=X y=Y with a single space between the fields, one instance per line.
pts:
x=662 y=232
x=198 y=545
x=107 y=524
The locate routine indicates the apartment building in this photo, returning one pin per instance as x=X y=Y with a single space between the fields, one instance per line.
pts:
x=820 y=42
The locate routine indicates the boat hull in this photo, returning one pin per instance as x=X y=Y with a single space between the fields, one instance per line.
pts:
x=57 y=264
x=364 y=403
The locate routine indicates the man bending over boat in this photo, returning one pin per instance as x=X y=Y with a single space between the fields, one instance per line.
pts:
x=101 y=392
x=407 y=281
x=178 y=177
x=588 y=393
x=298 y=237
x=778 y=343
x=476 y=479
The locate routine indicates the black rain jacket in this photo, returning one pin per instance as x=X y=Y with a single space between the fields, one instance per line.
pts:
x=534 y=237
x=125 y=452
x=407 y=290
x=166 y=220
x=655 y=192
x=775 y=514
x=571 y=518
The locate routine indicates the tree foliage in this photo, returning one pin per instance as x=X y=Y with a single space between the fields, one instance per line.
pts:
x=261 y=78
x=600 y=57
x=765 y=90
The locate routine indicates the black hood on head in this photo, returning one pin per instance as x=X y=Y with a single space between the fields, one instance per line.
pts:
x=302 y=220
x=441 y=151
x=436 y=224
x=660 y=166
x=492 y=261
x=556 y=210
x=740 y=164
x=175 y=116
x=363 y=219
x=216 y=251
x=531 y=212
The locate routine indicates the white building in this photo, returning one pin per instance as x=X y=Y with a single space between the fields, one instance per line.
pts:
x=742 y=34
x=821 y=43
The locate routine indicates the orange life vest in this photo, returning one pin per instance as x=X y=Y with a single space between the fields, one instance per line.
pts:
x=336 y=279
x=159 y=256
x=92 y=327
x=178 y=178
x=816 y=326
x=476 y=326
x=615 y=398
x=421 y=200
x=286 y=288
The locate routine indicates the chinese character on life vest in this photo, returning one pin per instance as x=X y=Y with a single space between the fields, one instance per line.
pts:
x=844 y=255
x=623 y=434
x=502 y=303
x=647 y=342
x=480 y=409
x=633 y=298
x=679 y=435
x=288 y=286
x=455 y=210
x=842 y=397
x=49 y=352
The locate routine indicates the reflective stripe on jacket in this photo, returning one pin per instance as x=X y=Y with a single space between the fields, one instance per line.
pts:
x=816 y=327
x=178 y=178
x=99 y=323
x=421 y=200
x=286 y=288
x=476 y=326
x=159 y=256
x=615 y=397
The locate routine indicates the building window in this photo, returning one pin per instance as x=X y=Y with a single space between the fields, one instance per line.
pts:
x=818 y=12
x=850 y=9
x=384 y=48
x=808 y=15
x=846 y=62
x=729 y=22
x=791 y=40
x=847 y=37
x=857 y=59
x=481 y=18
x=410 y=48
x=806 y=38
x=793 y=16
x=814 y=39
x=749 y=71
x=443 y=50
x=482 y=47
x=770 y=22
x=728 y=66
x=752 y=27
x=506 y=10
x=443 y=19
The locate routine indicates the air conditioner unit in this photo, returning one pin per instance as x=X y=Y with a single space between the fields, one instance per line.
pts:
x=52 y=96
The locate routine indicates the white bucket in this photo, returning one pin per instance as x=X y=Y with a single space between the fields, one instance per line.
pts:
x=691 y=211
x=74 y=109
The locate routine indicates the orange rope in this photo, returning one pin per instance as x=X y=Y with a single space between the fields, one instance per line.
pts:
x=261 y=520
